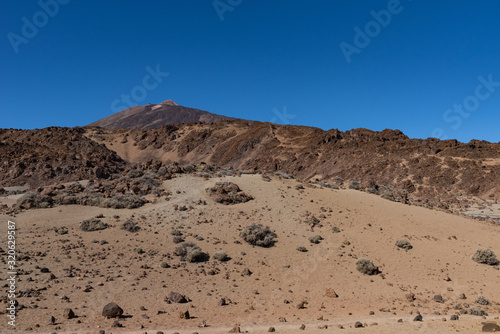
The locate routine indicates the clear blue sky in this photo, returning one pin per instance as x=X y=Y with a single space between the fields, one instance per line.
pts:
x=280 y=60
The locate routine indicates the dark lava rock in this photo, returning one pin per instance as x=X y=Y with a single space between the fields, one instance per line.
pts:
x=112 y=310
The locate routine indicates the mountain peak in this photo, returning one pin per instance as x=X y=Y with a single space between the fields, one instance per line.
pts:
x=169 y=103
x=153 y=116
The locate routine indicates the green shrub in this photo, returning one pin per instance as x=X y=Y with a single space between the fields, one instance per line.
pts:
x=258 y=235
x=485 y=256
x=93 y=224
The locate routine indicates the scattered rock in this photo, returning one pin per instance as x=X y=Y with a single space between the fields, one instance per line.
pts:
x=490 y=327
x=418 y=318
x=358 y=325
x=68 y=313
x=184 y=315
x=112 y=310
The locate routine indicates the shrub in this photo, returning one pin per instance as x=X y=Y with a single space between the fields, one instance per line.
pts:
x=404 y=244
x=366 y=267
x=315 y=239
x=476 y=311
x=335 y=229
x=356 y=185
x=482 y=301
x=34 y=201
x=130 y=226
x=127 y=201
x=221 y=256
x=485 y=256
x=93 y=224
x=178 y=240
x=190 y=252
x=258 y=236
x=176 y=233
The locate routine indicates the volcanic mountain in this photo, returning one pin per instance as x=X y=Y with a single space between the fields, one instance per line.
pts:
x=153 y=116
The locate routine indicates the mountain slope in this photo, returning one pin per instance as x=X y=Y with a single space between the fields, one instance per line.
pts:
x=153 y=116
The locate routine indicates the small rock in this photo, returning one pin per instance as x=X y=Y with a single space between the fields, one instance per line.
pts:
x=454 y=317
x=490 y=327
x=236 y=329
x=331 y=293
x=184 y=315
x=358 y=325
x=281 y=319
x=418 y=318
x=68 y=313
x=271 y=330
x=116 y=323
x=52 y=320
x=112 y=310
x=438 y=299
x=302 y=327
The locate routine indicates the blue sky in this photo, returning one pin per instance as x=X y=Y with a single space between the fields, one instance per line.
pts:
x=427 y=68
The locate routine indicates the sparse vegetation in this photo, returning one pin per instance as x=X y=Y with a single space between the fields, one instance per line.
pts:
x=481 y=300
x=177 y=240
x=366 y=267
x=127 y=201
x=130 y=226
x=479 y=311
x=404 y=244
x=221 y=256
x=93 y=224
x=190 y=252
x=258 y=235
x=316 y=239
x=485 y=256
x=335 y=229
x=34 y=201
x=356 y=185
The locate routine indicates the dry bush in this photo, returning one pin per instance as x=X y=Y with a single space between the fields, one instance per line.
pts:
x=258 y=235
x=404 y=244
x=485 y=256
x=221 y=256
x=34 y=201
x=130 y=226
x=366 y=267
x=190 y=252
x=93 y=224
x=127 y=201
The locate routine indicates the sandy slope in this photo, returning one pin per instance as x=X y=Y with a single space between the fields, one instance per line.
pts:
x=282 y=277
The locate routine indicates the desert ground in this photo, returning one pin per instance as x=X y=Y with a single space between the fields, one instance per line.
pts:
x=257 y=287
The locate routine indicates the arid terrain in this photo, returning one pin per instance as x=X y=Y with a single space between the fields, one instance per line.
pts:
x=161 y=222
x=258 y=285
